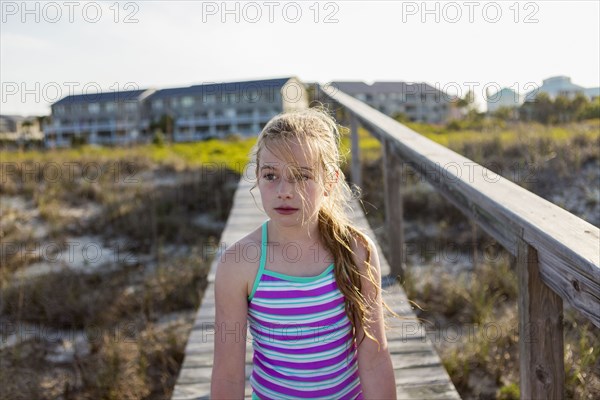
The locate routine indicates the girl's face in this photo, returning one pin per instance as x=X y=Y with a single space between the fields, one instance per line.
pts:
x=290 y=190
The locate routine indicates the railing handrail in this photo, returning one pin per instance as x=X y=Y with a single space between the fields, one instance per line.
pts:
x=567 y=246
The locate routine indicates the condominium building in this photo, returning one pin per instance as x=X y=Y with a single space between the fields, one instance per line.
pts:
x=99 y=118
x=218 y=109
x=194 y=113
x=419 y=102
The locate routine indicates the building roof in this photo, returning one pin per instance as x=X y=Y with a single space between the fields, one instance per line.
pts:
x=105 y=96
x=16 y=118
x=353 y=88
x=553 y=86
x=226 y=87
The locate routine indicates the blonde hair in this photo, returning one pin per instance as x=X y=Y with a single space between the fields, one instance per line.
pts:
x=319 y=136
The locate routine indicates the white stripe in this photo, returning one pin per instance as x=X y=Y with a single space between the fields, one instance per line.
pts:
x=307 y=301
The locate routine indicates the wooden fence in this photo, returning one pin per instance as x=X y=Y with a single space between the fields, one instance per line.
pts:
x=557 y=253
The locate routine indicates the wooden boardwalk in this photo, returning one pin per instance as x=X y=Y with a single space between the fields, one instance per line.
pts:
x=417 y=367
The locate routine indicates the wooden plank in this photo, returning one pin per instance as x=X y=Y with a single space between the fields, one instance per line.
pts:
x=567 y=245
x=541 y=352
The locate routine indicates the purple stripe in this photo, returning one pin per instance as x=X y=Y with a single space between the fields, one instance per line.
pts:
x=354 y=392
x=301 y=393
x=269 y=278
x=308 y=350
x=306 y=364
x=272 y=336
x=314 y=378
x=291 y=294
x=298 y=310
x=321 y=323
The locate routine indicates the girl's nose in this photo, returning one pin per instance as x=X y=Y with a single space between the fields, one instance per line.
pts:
x=285 y=188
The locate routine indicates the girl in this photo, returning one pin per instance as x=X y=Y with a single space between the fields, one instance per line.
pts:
x=313 y=300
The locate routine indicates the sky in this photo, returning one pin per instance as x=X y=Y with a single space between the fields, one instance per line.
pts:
x=52 y=49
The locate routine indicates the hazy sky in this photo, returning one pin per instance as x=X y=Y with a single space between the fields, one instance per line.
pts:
x=51 y=49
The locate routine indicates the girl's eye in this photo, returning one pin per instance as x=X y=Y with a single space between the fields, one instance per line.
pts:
x=269 y=176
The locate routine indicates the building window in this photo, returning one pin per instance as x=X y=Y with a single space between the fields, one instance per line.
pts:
x=245 y=128
x=232 y=98
x=157 y=104
x=252 y=95
x=230 y=113
x=130 y=106
x=93 y=108
x=223 y=128
x=245 y=113
x=60 y=110
x=209 y=99
x=187 y=101
x=109 y=107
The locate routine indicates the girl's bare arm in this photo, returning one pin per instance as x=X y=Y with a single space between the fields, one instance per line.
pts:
x=374 y=361
x=228 y=375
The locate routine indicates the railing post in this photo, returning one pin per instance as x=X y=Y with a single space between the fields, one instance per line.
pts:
x=393 y=208
x=541 y=349
x=356 y=168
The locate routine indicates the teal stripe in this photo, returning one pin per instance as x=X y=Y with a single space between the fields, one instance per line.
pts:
x=300 y=279
x=263 y=258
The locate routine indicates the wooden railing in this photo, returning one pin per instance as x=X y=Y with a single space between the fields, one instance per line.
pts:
x=557 y=253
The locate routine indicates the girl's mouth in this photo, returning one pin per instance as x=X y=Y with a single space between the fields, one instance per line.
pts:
x=286 y=210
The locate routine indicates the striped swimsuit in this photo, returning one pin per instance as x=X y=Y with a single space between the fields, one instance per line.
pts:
x=302 y=337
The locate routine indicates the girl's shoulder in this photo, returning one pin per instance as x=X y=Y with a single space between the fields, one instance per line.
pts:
x=238 y=263
x=364 y=248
